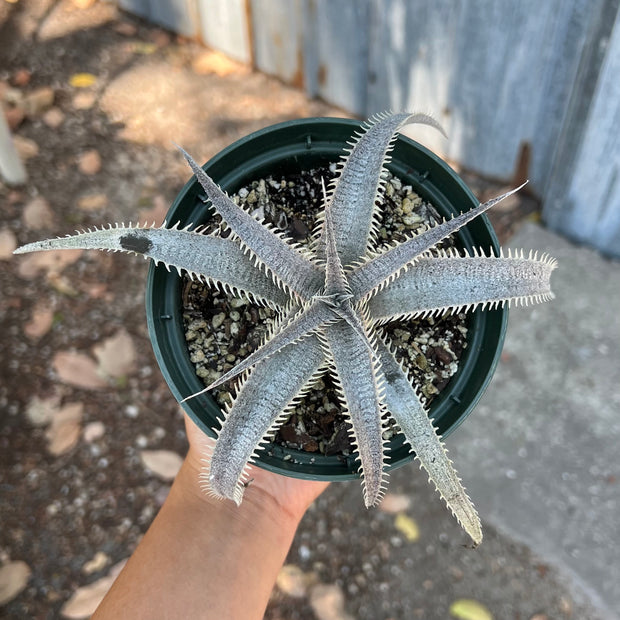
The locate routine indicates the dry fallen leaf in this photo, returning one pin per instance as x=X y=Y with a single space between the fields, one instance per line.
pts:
x=62 y=285
x=13 y=579
x=208 y=62
x=78 y=369
x=294 y=582
x=394 y=503
x=92 y=202
x=40 y=322
x=10 y=96
x=407 y=526
x=468 y=609
x=85 y=600
x=82 y=80
x=163 y=463
x=38 y=215
x=25 y=147
x=64 y=431
x=51 y=262
x=327 y=602
x=89 y=162
x=36 y=102
x=116 y=355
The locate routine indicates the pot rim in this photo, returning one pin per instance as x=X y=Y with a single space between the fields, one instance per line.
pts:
x=322 y=140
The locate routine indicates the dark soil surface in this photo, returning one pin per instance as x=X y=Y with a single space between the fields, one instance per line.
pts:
x=95 y=99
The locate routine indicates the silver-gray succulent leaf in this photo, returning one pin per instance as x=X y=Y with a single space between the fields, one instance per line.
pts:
x=462 y=282
x=332 y=301
x=289 y=267
x=379 y=270
x=279 y=379
x=409 y=414
x=359 y=379
x=362 y=175
x=210 y=258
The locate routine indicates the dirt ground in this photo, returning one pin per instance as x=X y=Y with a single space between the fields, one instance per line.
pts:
x=89 y=433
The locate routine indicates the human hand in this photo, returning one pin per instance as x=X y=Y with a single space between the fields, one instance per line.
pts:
x=290 y=495
x=200 y=552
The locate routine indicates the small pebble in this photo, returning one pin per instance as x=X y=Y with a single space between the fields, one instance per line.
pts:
x=131 y=411
x=93 y=431
x=217 y=320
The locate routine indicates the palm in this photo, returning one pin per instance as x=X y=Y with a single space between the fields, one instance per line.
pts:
x=291 y=494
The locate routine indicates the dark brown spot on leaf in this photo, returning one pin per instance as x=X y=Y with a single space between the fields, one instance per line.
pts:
x=136 y=243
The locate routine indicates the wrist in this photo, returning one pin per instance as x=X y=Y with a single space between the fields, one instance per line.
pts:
x=259 y=504
x=200 y=552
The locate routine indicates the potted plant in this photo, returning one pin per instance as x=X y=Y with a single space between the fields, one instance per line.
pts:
x=332 y=299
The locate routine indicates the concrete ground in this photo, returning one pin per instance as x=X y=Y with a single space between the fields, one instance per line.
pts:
x=540 y=453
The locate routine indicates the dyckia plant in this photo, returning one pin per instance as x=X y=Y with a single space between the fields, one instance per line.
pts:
x=332 y=300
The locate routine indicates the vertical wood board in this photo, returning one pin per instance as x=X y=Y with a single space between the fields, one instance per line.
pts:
x=318 y=45
x=590 y=204
x=277 y=34
x=224 y=27
x=336 y=52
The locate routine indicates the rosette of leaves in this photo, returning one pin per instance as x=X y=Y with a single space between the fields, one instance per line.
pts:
x=332 y=300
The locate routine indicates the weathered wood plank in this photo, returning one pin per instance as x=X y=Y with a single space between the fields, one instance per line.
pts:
x=318 y=45
x=336 y=52
x=224 y=27
x=277 y=35
x=583 y=200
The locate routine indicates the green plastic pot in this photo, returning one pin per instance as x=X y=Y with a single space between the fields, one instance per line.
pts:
x=286 y=148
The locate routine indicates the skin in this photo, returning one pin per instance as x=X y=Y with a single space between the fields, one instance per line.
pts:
x=207 y=558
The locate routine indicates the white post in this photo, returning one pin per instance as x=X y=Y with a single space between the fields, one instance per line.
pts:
x=11 y=167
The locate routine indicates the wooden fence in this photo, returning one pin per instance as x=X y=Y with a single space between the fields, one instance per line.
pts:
x=523 y=88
